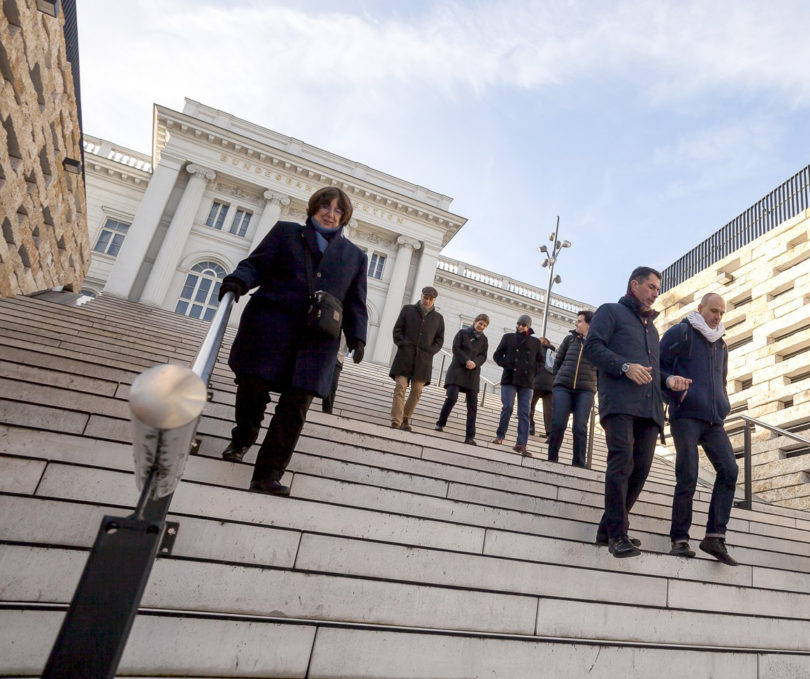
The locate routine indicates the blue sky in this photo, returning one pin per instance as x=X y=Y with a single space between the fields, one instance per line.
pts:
x=645 y=125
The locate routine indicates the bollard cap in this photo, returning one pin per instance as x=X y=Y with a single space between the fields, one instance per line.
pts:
x=167 y=396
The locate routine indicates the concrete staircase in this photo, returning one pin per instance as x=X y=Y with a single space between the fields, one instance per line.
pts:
x=397 y=555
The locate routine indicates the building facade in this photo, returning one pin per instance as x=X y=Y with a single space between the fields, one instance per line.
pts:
x=44 y=240
x=760 y=264
x=165 y=228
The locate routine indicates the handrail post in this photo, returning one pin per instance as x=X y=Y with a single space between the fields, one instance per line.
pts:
x=591 y=425
x=166 y=403
x=441 y=370
x=748 y=501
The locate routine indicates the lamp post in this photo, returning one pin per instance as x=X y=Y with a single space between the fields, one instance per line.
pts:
x=549 y=261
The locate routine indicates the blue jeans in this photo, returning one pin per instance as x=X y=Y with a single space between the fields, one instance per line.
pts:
x=524 y=398
x=565 y=402
x=687 y=434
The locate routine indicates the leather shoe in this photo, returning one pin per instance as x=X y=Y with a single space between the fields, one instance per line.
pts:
x=497 y=440
x=269 y=487
x=521 y=448
x=405 y=426
x=234 y=453
x=470 y=442
x=602 y=541
x=438 y=427
x=717 y=548
x=681 y=548
x=622 y=548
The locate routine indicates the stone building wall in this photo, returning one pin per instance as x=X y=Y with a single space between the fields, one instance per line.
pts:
x=766 y=285
x=44 y=239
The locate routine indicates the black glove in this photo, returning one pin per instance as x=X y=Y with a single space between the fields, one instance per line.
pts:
x=359 y=348
x=233 y=286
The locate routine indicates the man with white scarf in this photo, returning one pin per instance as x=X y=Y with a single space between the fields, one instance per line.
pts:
x=694 y=348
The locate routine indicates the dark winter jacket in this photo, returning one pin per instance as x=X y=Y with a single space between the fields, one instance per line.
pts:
x=571 y=369
x=467 y=347
x=418 y=339
x=520 y=356
x=685 y=351
x=273 y=342
x=543 y=379
x=619 y=335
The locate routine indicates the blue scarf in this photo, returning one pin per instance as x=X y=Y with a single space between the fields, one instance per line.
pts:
x=323 y=234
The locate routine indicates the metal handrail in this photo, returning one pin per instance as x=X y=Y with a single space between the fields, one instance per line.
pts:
x=96 y=626
x=750 y=422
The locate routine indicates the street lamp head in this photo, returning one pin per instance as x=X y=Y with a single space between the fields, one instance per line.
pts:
x=566 y=243
x=542 y=248
x=551 y=237
x=545 y=263
x=558 y=279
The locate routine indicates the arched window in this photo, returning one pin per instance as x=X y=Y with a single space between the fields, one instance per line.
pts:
x=199 y=296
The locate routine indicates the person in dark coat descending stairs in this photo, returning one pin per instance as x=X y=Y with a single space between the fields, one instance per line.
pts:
x=470 y=347
x=418 y=336
x=274 y=349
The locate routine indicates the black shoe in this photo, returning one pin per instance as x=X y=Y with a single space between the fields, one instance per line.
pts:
x=557 y=459
x=234 y=453
x=269 y=487
x=602 y=540
x=470 y=442
x=681 y=548
x=717 y=548
x=622 y=548
x=438 y=427
x=531 y=430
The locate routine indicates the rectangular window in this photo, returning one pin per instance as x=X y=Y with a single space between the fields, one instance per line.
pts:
x=111 y=237
x=376 y=265
x=241 y=220
x=217 y=214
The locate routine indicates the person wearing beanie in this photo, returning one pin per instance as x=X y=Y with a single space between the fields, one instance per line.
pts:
x=521 y=355
x=470 y=348
x=622 y=343
x=418 y=336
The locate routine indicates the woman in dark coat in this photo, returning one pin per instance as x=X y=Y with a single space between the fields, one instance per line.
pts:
x=274 y=350
x=464 y=374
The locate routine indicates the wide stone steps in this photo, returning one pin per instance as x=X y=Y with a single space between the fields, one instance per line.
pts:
x=398 y=554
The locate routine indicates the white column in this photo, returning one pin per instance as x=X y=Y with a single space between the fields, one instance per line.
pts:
x=272 y=211
x=426 y=269
x=147 y=217
x=393 y=300
x=177 y=235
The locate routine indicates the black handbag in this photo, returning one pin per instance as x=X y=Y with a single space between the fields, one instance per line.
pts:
x=324 y=310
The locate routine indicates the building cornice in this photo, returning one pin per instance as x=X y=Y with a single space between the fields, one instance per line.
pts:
x=312 y=168
x=116 y=162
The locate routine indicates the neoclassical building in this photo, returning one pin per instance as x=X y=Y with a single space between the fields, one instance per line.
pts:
x=166 y=227
x=760 y=263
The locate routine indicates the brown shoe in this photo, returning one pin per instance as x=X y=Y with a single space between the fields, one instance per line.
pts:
x=405 y=426
x=497 y=440
x=717 y=548
x=394 y=425
x=521 y=448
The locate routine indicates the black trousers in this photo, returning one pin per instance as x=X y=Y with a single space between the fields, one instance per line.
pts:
x=472 y=408
x=252 y=397
x=547 y=401
x=631 y=446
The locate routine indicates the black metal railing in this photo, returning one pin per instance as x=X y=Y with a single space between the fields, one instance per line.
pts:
x=96 y=626
x=781 y=204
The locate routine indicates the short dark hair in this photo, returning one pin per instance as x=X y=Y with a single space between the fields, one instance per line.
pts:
x=641 y=274
x=325 y=196
x=587 y=313
x=481 y=317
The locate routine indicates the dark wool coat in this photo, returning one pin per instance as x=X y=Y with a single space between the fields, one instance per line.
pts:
x=520 y=356
x=418 y=340
x=706 y=363
x=618 y=335
x=571 y=369
x=467 y=347
x=273 y=342
x=543 y=379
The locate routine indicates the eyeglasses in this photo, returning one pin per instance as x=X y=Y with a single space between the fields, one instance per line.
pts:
x=326 y=208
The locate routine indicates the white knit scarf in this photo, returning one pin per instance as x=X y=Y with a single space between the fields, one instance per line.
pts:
x=699 y=323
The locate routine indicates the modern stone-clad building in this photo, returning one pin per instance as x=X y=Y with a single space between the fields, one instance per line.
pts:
x=165 y=228
x=760 y=264
x=44 y=240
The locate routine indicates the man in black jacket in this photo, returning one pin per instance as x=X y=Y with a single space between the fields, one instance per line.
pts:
x=623 y=344
x=521 y=356
x=695 y=349
x=574 y=386
x=418 y=334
